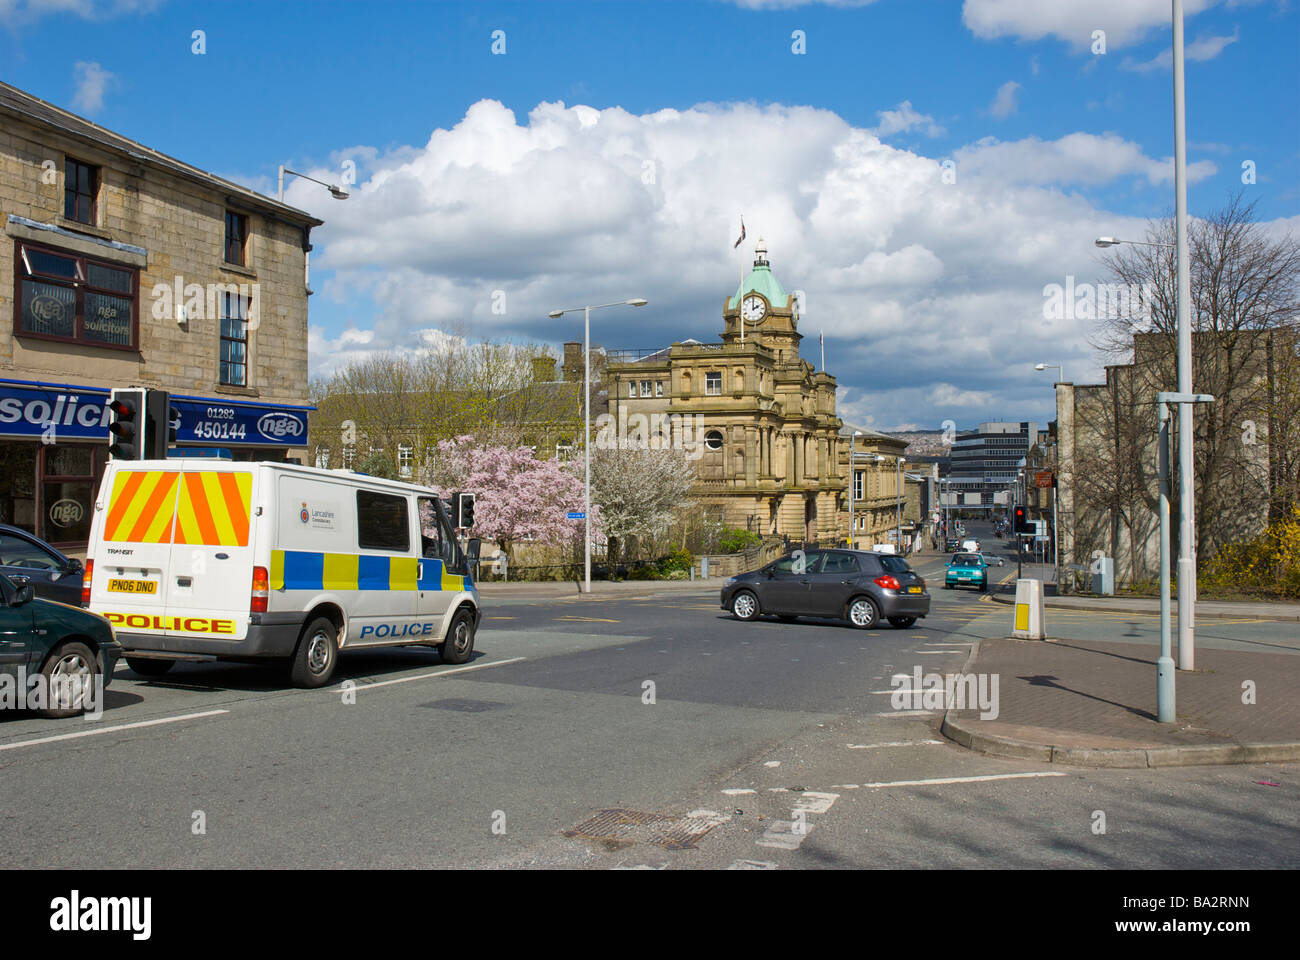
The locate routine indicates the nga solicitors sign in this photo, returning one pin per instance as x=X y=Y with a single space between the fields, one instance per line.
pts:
x=59 y=413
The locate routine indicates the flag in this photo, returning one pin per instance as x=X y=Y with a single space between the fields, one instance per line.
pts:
x=740 y=238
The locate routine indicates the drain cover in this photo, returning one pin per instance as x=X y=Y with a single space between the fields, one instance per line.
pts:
x=617 y=828
x=463 y=706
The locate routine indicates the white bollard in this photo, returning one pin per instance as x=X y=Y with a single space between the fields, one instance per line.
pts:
x=1028 y=622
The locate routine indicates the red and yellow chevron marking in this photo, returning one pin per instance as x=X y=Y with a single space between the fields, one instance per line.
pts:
x=143 y=506
x=213 y=509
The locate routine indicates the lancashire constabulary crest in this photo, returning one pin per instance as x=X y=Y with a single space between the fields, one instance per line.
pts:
x=304 y=516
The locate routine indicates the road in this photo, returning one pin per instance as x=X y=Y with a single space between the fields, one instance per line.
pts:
x=725 y=745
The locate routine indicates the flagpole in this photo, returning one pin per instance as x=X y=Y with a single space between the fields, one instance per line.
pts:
x=821 y=335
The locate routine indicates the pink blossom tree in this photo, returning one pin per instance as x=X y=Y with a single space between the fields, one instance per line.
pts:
x=517 y=496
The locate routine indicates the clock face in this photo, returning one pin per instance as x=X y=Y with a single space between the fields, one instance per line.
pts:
x=753 y=309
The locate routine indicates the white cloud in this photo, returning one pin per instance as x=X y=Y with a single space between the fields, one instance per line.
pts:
x=1004 y=102
x=92 y=82
x=905 y=118
x=917 y=283
x=1077 y=158
x=1203 y=48
x=1124 y=21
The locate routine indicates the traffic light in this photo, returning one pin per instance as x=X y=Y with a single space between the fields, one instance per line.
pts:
x=1020 y=522
x=464 y=510
x=159 y=434
x=127 y=425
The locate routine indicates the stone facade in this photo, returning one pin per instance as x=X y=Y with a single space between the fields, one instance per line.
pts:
x=772 y=453
x=167 y=219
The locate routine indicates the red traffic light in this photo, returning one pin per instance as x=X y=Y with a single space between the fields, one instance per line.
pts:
x=122 y=409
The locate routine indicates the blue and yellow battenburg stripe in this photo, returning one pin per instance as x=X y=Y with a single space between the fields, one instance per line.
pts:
x=312 y=570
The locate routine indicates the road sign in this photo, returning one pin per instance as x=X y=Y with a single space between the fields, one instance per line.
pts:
x=575 y=515
x=1043 y=479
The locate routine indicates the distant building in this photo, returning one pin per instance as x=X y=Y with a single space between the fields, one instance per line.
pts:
x=774 y=454
x=986 y=462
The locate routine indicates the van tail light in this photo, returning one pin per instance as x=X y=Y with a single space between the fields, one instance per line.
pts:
x=86 y=576
x=261 y=590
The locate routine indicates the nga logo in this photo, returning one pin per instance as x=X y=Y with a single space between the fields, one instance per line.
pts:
x=278 y=426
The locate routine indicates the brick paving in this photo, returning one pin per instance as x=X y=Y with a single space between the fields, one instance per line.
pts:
x=1098 y=694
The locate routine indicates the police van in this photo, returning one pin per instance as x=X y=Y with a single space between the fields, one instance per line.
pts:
x=195 y=559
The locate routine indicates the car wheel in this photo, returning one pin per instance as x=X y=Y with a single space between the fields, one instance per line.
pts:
x=863 y=613
x=902 y=622
x=459 y=644
x=317 y=654
x=744 y=606
x=68 y=671
x=947 y=586
x=149 y=667
x=984 y=587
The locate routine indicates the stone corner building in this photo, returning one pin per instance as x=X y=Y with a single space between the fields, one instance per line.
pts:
x=121 y=266
x=774 y=455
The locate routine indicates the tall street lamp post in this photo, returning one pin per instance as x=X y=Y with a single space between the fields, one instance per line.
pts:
x=335 y=191
x=586 y=419
x=853 y=485
x=1056 y=537
x=898 y=489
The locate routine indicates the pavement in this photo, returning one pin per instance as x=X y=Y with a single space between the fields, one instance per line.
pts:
x=1093 y=702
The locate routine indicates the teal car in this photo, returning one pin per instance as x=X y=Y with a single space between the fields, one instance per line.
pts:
x=66 y=646
x=966 y=569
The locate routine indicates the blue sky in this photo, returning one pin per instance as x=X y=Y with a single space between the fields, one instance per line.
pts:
x=468 y=184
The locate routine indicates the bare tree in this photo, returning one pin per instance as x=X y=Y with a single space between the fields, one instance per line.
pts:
x=1245 y=286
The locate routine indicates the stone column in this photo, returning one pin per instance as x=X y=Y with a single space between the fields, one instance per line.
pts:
x=751 y=456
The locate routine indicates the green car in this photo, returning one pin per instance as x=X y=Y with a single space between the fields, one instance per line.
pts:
x=72 y=650
x=967 y=569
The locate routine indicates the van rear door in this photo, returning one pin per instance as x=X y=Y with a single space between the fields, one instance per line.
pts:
x=211 y=569
x=134 y=547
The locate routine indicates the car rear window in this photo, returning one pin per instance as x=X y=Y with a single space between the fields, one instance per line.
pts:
x=894 y=564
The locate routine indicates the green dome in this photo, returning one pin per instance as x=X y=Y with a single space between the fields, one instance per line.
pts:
x=761 y=281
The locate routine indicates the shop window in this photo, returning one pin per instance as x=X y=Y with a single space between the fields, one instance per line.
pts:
x=68 y=491
x=234 y=340
x=73 y=298
x=18 y=485
x=236 y=238
x=80 y=190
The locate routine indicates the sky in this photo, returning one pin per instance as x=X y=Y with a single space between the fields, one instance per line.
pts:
x=923 y=171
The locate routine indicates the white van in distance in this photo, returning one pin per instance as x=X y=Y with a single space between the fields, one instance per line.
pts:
x=195 y=559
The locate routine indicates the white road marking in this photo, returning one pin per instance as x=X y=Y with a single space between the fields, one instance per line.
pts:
x=738 y=791
x=810 y=802
x=891 y=743
x=909 y=713
x=113 y=729
x=752 y=865
x=995 y=776
x=771 y=763
x=782 y=836
x=426 y=676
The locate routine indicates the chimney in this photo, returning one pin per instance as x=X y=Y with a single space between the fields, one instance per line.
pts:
x=543 y=369
x=573 y=366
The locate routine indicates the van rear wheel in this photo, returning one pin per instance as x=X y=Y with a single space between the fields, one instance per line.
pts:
x=459 y=644
x=317 y=654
